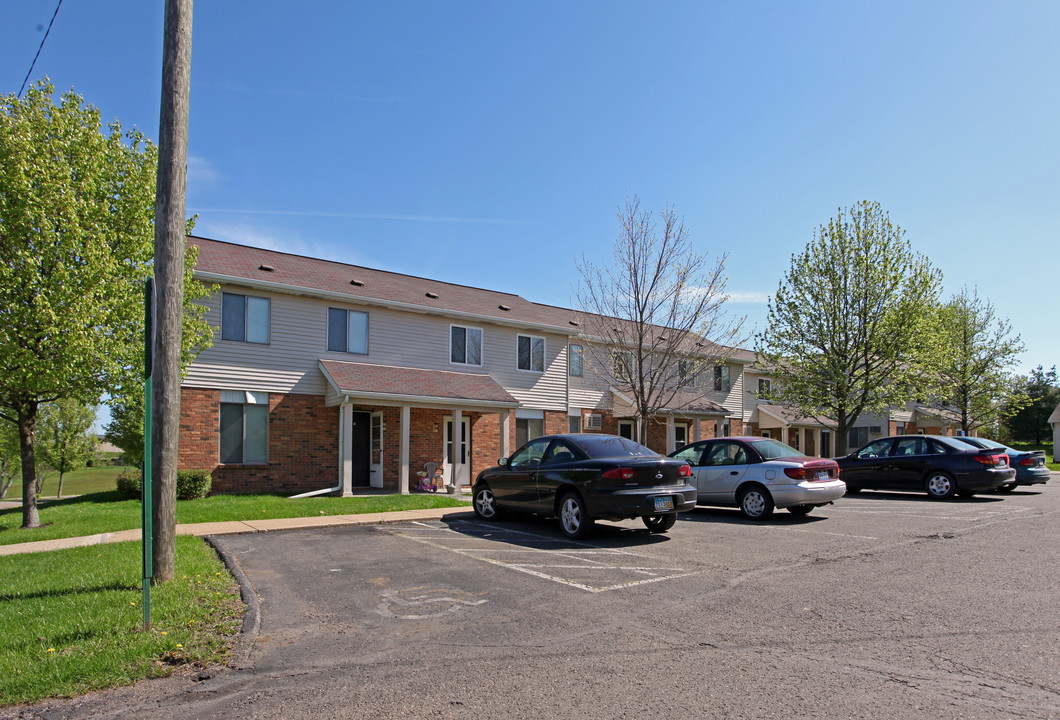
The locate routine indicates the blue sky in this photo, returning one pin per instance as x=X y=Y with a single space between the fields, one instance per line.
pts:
x=491 y=143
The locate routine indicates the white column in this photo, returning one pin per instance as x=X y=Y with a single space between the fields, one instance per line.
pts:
x=403 y=479
x=695 y=430
x=669 y=434
x=346 y=428
x=506 y=427
x=458 y=443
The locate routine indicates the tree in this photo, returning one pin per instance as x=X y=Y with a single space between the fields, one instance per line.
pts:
x=66 y=442
x=978 y=351
x=848 y=329
x=654 y=316
x=1030 y=421
x=10 y=458
x=76 y=243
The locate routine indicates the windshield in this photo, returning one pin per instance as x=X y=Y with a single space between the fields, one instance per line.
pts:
x=609 y=446
x=772 y=449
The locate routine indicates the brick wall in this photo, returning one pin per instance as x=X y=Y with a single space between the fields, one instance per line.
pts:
x=303 y=444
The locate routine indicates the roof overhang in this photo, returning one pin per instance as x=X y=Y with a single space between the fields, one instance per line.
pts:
x=395 y=386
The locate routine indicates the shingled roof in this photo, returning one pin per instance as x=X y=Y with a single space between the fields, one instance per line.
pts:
x=221 y=261
x=381 y=382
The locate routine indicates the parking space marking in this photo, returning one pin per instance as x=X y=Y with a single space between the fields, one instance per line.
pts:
x=586 y=567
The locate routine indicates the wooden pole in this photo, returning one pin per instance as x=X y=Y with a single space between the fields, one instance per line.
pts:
x=169 y=279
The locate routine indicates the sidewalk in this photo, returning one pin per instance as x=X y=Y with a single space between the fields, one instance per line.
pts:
x=237 y=527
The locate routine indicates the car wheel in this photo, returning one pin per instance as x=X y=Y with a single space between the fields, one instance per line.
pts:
x=485 y=504
x=659 y=523
x=756 y=503
x=941 y=486
x=800 y=509
x=573 y=519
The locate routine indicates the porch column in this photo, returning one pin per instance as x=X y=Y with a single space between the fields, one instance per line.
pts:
x=403 y=478
x=458 y=443
x=506 y=427
x=346 y=448
x=669 y=434
x=695 y=430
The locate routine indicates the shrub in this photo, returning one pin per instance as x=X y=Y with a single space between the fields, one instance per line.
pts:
x=130 y=485
x=191 y=484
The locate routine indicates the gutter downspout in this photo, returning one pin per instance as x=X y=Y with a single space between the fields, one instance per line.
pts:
x=342 y=442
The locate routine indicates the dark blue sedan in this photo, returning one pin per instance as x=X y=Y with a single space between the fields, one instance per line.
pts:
x=581 y=478
x=1030 y=465
x=938 y=465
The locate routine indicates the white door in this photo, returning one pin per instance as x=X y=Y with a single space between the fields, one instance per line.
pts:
x=463 y=470
x=376 y=447
x=680 y=436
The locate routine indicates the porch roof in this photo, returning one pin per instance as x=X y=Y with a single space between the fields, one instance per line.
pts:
x=683 y=403
x=413 y=386
x=786 y=416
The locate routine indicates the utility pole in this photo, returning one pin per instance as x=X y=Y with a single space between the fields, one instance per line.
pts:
x=170 y=234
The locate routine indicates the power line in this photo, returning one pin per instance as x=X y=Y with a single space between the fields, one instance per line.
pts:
x=32 y=64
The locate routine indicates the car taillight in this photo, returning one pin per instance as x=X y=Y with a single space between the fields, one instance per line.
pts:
x=685 y=471
x=991 y=460
x=798 y=473
x=1029 y=461
x=619 y=473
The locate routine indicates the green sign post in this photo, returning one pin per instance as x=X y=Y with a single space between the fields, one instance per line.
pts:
x=146 y=510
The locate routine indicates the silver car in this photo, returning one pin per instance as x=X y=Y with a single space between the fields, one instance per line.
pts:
x=758 y=474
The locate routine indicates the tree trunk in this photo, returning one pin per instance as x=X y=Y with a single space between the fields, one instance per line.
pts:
x=7 y=486
x=169 y=282
x=59 y=492
x=842 y=431
x=27 y=427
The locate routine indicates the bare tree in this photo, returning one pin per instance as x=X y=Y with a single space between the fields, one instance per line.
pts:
x=654 y=317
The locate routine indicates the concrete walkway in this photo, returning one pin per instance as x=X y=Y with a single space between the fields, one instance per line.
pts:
x=236 y=527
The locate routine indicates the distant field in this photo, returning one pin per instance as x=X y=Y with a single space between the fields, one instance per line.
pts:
x=81 y=482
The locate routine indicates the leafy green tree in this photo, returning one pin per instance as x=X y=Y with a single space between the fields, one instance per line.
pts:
x=66 y=441
x=849 y=326
x=1030 y=421
x=974 y=367
x=76 y=244
x=126 y=427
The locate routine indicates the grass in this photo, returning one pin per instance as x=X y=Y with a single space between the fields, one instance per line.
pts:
x=99 y=478
x=105 y=512
x=72 y=620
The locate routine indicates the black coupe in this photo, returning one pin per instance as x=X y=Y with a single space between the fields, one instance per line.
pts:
x=586 y=477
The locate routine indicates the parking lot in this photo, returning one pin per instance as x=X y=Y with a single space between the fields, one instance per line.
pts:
x=884 y=605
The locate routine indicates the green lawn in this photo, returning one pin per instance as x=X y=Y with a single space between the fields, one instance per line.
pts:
x=87 y=480
x=72 y=620
x=106 y=512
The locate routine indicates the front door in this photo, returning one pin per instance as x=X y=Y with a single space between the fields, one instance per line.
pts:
x=360 y=443
x=680 y=436
x=377 y=450
x=463 y=469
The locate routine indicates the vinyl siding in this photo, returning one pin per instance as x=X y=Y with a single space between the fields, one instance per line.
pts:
x=298 y=339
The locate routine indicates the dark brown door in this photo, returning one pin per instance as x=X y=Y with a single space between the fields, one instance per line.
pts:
x=362 y=456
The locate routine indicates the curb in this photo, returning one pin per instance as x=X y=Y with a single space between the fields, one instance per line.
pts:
x=248 y=632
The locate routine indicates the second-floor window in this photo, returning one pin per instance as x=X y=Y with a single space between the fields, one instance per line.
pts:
x=244 y=318
x=347 y=331
x=764 y=386
x=531 y=353
x=623 y=365
x=576 y=360
x=465 y=345
x=686 y=373
x=721 y=378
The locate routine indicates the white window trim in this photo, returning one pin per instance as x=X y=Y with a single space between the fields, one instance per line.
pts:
x=347 y=311
x=544 y=353
x=244 y=398
x=570 y=360
x=481 y=348
x=246 y=318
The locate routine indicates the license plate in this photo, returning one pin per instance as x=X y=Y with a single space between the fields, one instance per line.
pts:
x=1002 y=462
x=822 y=475
x=664 y=503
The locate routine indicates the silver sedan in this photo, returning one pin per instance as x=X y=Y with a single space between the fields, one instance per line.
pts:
x=758 y=474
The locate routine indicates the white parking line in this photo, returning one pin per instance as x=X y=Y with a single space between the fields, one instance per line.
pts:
x=547 y=570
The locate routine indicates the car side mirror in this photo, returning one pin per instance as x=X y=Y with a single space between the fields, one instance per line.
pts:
x=503 y=462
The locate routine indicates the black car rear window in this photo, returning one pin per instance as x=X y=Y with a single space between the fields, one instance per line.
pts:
x=607 y=446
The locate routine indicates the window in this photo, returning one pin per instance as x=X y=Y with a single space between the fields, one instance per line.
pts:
x=526 y=429
x=347 y=331
x=574 y=423
x=625 y=429
x=529 y=455
x=793 y=437
x=531 y=353
x=877 y=449
x=623 y=364
x=575 y=360
x=858 y=436
x=721 y=378
x=721 y=428
x=244 y=318
x=686 y=373
x=764 y=386
x=244 y=427
x=465 y=345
